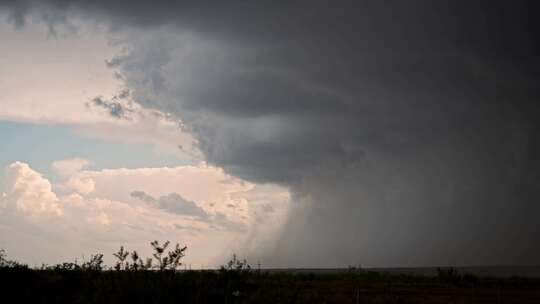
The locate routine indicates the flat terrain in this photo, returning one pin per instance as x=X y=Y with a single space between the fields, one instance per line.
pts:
x=272 y=286
x=482 y=271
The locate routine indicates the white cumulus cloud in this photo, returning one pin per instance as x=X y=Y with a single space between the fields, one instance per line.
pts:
x=96 y=211
x=28 y=192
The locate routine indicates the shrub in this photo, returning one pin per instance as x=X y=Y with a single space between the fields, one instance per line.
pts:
x=94 y=264
x=121 y=263
x=5 y=263
x=171 y=260
x=165 y=260
x=236 y=265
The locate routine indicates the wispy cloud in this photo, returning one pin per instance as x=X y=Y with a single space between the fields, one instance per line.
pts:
x=175 y=203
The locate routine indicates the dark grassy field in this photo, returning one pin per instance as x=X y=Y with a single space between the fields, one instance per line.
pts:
x=157 y=280
x=243 y=286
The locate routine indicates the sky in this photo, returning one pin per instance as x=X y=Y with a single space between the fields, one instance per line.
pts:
x=305 y=134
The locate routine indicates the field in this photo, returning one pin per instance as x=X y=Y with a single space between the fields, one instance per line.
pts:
x=159 y=279
x=253 y=286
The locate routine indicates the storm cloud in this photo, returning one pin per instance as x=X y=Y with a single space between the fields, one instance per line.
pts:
x=407 y=131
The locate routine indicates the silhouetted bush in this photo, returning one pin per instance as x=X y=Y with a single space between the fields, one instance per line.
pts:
x=165 y=260
x=236 y=265
x=5 y=263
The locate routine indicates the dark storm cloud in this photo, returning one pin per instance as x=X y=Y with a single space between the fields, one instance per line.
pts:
x=407 y=130
x=112 y=107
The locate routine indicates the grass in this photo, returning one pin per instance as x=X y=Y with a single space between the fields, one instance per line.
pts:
x=134 y=280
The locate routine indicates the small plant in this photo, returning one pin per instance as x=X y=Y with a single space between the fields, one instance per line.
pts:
x=66 y=266
x=5 y=263
x=158 y=253
x=172 y=260
x=94 y=264
x=3 y=260
x=148 y=264
x=136 y=261
x=121 y=256
x=175 y=256
x=236 y=265
x=165 y=260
